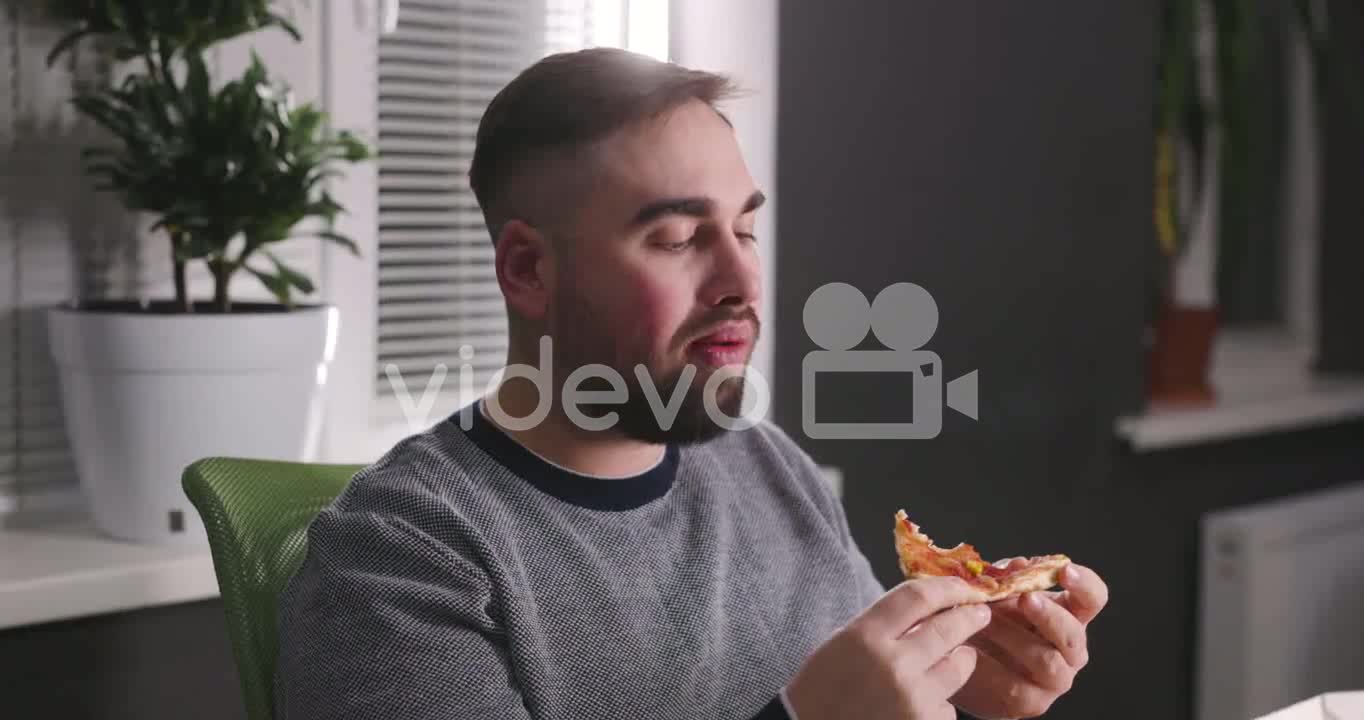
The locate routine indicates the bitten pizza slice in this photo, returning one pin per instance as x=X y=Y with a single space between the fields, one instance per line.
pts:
x=920 y=557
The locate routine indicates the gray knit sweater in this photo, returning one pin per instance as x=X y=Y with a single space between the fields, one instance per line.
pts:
x=462 y=576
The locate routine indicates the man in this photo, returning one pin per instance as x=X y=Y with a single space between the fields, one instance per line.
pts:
x=599 y=542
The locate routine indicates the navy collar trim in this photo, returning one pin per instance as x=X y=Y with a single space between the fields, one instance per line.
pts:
x=593 y=493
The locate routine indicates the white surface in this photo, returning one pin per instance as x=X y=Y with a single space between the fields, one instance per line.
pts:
x=1263 y=385
x=1331 y=706
x=1310 y=403
x=68 y=570
x=146 y=395
x=1343 y=706
x=1279 y=604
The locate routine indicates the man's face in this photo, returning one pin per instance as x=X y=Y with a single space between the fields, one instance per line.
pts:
x=662 y=272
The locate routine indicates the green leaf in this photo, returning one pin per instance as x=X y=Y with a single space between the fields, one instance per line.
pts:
x=283 y=24
x=341 y=240
x=278 y=286
x=65 y=44
x=196 y=79
x=324 y=206
x=113 y=10
x=355 y=149
x=256 y=74
x=290 y=275
x=1178 y=115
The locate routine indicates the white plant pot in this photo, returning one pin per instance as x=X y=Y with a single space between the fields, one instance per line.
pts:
x=145 y=394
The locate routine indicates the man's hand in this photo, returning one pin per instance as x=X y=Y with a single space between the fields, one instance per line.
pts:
x=1033 y=648
x=901 y=659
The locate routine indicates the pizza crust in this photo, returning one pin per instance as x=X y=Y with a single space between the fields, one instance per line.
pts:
x=1041 y=573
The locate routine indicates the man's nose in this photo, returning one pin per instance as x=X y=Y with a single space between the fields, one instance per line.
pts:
x=736 y=273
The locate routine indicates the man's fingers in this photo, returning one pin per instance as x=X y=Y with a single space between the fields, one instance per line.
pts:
x=996 y=655
x=910 y=602
x=939 y=635
x=1086 y=593
x=1058 y=626
x=1027 y=654
x=996 y=679
x=949 y=674
x=1012 y=563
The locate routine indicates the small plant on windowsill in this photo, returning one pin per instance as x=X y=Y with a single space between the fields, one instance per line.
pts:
x=226 y=174
x=1209 y=101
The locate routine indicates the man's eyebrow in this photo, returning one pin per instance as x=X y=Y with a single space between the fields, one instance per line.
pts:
x=690 y=206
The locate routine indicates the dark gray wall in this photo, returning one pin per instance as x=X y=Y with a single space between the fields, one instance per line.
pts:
x=1342 y=254
x=156 y=664
x=999 y=154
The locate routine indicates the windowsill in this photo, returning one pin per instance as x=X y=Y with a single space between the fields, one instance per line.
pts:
x=1263 y=385
x=58 y=567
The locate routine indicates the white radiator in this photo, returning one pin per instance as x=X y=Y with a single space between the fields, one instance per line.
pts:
x=1281 y=603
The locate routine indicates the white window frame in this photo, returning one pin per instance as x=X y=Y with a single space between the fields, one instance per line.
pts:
x=350 y=282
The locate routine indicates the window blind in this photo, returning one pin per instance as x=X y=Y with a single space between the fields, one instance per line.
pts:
x=47 y=214
x=438 y=71
x=9 y=370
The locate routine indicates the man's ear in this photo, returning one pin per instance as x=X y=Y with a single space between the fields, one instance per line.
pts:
x=525 y=268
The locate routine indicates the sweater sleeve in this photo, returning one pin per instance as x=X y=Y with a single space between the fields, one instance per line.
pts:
x=867 y=584
x=381 y=621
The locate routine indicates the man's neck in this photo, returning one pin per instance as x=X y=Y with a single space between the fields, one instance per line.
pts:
x=556 y=439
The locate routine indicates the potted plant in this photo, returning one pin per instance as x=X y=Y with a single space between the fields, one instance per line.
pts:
x=226 y=174
x=1211 y=55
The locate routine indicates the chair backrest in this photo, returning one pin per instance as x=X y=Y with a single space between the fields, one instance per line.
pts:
x=257 y=514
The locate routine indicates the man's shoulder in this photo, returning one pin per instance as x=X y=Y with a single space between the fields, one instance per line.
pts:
x=426 y=477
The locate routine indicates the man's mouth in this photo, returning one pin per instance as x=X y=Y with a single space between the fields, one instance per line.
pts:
x=726 y=346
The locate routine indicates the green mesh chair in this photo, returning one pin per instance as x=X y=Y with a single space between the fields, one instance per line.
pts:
x=257 y=514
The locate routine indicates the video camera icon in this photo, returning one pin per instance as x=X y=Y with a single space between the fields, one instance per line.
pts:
x=904 y=317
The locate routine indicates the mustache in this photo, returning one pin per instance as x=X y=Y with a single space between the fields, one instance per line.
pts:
x=709 y=322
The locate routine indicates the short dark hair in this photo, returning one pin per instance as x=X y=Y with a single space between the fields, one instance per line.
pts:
x=570 y=100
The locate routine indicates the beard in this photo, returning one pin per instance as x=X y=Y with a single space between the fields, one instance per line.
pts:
x=583 y=340
x=692 y=423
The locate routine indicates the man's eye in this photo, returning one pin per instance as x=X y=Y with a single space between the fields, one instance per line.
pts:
x=748 y=236
x=675 y=246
